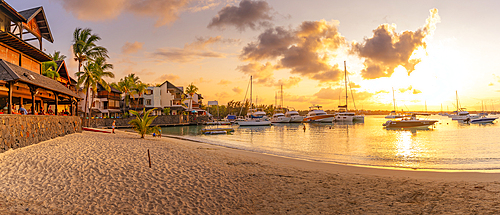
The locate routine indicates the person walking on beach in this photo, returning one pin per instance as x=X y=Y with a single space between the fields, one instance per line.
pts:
x=113 y=126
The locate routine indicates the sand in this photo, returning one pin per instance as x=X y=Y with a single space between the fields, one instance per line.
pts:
x=98 y=173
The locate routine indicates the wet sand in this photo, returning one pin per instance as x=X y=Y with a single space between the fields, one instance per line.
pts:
x=98 y=173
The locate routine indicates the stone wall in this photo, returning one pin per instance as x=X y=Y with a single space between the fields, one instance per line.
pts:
x=18 y=131
x=162 y=120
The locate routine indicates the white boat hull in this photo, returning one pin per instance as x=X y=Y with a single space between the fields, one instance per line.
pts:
x=281 y=119
x=296 y=119
x=483 y=120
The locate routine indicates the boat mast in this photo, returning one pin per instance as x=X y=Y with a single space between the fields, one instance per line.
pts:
x=250 y=92
x=345 y=78
x=456 y=93
x=281 y=96
x=393 y=100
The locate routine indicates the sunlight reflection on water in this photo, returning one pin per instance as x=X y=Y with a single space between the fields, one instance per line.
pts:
x=450 y=145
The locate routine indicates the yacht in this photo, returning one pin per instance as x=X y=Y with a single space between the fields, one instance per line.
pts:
x=280 y=117
x=409 y=122
x=316 y=114
x=294 y=116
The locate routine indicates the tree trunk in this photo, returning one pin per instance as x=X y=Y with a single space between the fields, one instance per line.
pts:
x=86 y=103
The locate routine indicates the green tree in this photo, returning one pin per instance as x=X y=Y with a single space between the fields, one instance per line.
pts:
x=85 y=48
x=49 y=69
x=191 y=90
x=142 y=122
x=101 y=70
x=57 y=56
x=93 y=73
x=139 y=88
x=166 y=111
x=126 y=86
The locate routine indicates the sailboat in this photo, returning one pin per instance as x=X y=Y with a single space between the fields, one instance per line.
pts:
x=460 y=113
x=393 y=114
x=343 y=115
x=279 y=115
x=483 y=117
x=255 y=117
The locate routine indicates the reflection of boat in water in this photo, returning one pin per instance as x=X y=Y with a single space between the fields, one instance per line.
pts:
x=216 y=130
x=410 y=122
x=317 y=115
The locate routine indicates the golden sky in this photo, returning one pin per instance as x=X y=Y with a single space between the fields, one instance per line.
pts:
x=424 y=50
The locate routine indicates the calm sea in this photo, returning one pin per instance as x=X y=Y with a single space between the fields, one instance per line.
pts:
x=449 y=145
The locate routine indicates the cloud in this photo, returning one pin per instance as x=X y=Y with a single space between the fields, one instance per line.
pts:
x=354 y=85
x=288 y=83
x=249 y=14
x=196 y=50
x=381 y=91
x=237 y=90
x=387 y=49
x=202 y=43
x=182 y=55
x=415 y=91
x=222 y=95
x=167 y=77
x=165 y=11
x=224 y=82
x=333 y=94
x=402 y=90
x=130 y=48
x=295 y=98
x=490 y=84
x=307 y=51
x=261 y=73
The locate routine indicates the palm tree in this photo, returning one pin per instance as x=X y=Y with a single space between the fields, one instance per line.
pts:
x=93 y=74
x=142 y=122
x=191 y=90
x=100 y=69
x=85 y=48
x=49 y=69
x=127 y=85
x=57 y=56
x=139 y=88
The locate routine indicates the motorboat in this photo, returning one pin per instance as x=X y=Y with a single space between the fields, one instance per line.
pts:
x=294 y=116
x=394 y=115
x=345 y=116
x=316 y=114
x=280 y=118
x=409 y=122
x=483 y=119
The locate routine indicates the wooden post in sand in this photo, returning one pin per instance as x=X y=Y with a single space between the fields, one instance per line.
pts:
x=149 y=158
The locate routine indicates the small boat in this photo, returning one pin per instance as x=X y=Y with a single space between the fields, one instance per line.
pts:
x=409 y=122
x=294 y=116
x=317 y=115
x=482 y=119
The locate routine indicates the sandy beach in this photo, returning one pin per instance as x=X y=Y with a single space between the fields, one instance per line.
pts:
x=99 y=173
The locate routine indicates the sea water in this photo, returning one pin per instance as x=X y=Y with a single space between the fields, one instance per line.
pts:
x=448 y=145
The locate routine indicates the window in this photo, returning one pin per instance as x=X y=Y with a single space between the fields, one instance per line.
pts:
x=148 y=101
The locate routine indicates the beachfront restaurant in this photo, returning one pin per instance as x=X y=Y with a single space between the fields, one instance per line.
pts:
x=35 y=92
x=21 y=82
